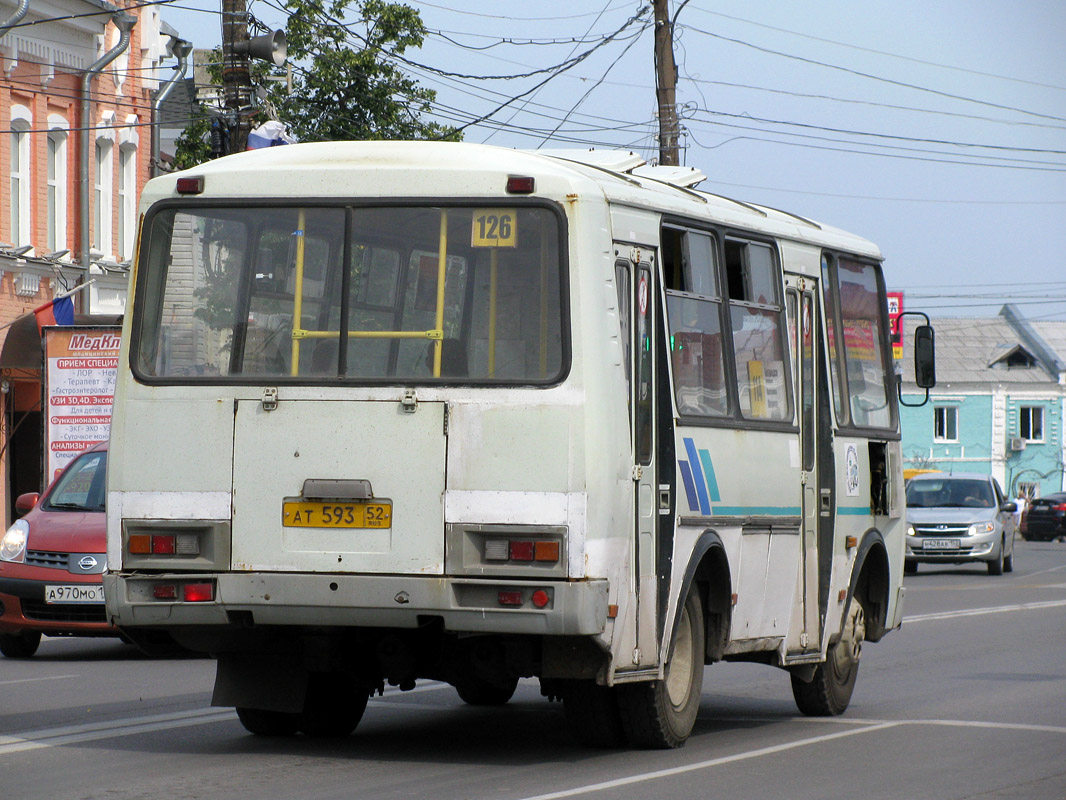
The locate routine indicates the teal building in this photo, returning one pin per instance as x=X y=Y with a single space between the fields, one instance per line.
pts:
x=998 y=404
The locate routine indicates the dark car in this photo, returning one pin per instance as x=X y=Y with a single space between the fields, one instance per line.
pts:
x=52 y=560
x=1046 y=519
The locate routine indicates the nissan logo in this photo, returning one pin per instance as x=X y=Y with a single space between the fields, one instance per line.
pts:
x=87 y=562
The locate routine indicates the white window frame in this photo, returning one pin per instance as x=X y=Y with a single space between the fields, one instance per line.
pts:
x=103 y=194
x=56 y=179
x=19 y=176
x=127 y=199
x=1026 y=428
x=945 y=418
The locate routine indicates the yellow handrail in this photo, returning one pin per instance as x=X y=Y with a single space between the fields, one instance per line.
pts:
x=494 y=262
x=442 y=263
x=298 y=300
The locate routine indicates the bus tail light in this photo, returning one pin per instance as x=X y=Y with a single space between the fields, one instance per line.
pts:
x=542 y=550
x=165 y=544
x=199 y=592
x=509 y=598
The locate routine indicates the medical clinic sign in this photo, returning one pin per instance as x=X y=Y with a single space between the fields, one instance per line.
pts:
x=79 y=390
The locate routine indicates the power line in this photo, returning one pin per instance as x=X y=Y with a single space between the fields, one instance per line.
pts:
x=891 y=81
x=894 y=137
x=853 y=46
x=1022 y=164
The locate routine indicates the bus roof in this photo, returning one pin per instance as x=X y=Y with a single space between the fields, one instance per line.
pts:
x=445 y=169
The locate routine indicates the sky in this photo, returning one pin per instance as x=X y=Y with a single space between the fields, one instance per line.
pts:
x=935 y=128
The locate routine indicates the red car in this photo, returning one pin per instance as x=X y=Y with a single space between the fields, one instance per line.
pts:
x=52 y=560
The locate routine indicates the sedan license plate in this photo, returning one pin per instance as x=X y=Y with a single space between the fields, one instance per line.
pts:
x=342 y=514
x=78 y=593
x=941 y=544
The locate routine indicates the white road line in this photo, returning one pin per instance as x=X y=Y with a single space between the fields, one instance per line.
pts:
x=714 y=762
x=976 y=612
x=34 y=680
x=54 y=737
x=868 y=726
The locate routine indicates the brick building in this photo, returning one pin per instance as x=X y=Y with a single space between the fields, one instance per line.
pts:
x=72 y=164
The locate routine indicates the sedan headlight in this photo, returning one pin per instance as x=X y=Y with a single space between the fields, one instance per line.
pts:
x=981 y=527
x=13 y=545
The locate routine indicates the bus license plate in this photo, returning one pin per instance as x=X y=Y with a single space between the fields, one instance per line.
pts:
x=73 y=594
x=941 y=544
x=303 y=514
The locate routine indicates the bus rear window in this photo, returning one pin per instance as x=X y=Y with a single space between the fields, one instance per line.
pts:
x=362 y=294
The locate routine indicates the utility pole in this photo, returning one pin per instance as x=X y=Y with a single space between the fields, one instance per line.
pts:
x=665 y=84
x=236 y=76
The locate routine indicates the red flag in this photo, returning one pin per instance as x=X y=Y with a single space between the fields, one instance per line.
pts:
x=55 y=312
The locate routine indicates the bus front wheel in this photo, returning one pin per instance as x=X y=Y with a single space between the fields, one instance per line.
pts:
x=829 y=692
x=661 y=714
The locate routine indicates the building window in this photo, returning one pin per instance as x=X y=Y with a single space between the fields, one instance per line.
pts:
x=56 y=221
x=102 y=200
x=1031 y=423
x=20 y=176
x=945 y=424
x=127 y=200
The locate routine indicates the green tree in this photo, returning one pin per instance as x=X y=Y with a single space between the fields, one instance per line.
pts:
x=344 y=85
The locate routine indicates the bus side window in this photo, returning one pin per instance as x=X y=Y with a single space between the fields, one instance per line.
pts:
x=693 y=306
x=757 y=317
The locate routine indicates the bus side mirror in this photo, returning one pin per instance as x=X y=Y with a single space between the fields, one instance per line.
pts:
x=924 y=357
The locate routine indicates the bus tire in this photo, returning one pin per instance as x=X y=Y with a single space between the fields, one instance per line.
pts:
x=829 y=692
x=20 y=645
x=268 y=723
x=661 y=714
x=333 y=707
x=479 y=692
x=592 y=714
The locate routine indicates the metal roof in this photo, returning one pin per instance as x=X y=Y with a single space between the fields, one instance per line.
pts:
x=973 y=350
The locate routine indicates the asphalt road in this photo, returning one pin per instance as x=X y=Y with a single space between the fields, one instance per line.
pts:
x=968 y=700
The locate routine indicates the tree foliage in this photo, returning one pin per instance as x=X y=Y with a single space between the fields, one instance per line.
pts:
x=343 y=91
x=340 y=90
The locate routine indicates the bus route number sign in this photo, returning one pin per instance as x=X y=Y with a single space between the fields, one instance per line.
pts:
x=494 y=227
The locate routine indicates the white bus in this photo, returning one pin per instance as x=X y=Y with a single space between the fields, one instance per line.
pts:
x=390 y=411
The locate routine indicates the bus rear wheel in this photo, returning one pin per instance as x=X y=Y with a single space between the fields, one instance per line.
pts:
x=333 y=706
x=829 y=692
x=480 y=692
x=661 y=714
x=262 y=722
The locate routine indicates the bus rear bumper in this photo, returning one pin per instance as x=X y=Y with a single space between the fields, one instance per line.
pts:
x=323 y=599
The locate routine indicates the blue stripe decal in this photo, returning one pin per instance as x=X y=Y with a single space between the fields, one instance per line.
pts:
x=769 y=511
x=708 y=470
x=852 y=511
x=690 y=487
x=697 y=475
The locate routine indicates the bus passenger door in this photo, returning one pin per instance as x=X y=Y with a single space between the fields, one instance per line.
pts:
x=808 y=347
x=642 y=405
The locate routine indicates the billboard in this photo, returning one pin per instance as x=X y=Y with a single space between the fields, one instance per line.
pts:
x=895 y=308
x=79 y=390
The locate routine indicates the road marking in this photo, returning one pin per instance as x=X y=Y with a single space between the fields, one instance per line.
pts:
x=32 y=680
x=976 y=612
x=714 y=762
x=867 y=726
x=55 y=737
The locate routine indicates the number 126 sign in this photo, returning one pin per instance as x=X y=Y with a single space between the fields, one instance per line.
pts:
x=494 y=227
